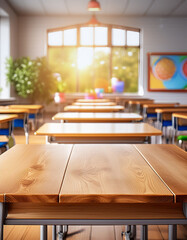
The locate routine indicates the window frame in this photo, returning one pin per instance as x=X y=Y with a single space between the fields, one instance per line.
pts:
x=109 y=45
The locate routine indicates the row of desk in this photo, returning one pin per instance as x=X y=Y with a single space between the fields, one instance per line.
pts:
x=23 y=114
x=94 y=184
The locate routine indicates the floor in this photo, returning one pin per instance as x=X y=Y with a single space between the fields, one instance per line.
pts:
x=81 y=232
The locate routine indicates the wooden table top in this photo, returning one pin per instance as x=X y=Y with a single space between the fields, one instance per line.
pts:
x=97 y=130
x=95 y=104
x=6 y=109
x=72 y=108
x=180 y=115
x=159 y=105
x=97 y=117
x=7 y=117
x=141 y=101
x=101 y=173
x=99 y=100
x=170 y=110
x=31 y=108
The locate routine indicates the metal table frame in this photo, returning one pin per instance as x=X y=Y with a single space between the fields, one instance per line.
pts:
x=44 y=222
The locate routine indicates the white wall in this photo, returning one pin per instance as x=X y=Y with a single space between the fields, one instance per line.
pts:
x=4 y=53
x=8 y=43
x=13 y=28
x=158 y=35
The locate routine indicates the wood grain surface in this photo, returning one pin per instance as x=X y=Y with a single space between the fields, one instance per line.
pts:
x=98 y=130
x=72 y=108
x=33 y=173
x=7 y=117
x=95 y=210
x=97 y=117
x=170 y=163
x=111 y=173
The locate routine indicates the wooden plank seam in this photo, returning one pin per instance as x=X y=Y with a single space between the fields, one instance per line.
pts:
x=174 y=196
x=65 y=172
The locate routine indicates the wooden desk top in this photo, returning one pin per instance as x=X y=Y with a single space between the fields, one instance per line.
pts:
x=7 y=117
x=35 y=172
x=159 y=105
x=99 y=173
x=6 y=109
x=163 y=160
x=99 y=100
x=110 y=173
x=31 y=108
x=170 y=110
x=97 y=117
x=97 y=130
x=180 y=115
x=73 y=108
x=141 y=101
x=95 y=104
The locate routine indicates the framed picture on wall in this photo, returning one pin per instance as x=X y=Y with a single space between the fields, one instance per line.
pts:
x=167 y=72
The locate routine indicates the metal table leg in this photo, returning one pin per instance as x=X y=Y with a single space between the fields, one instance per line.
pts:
x=43 y=232
x=63 y=230
x=54 y=232
x=144 y=232
x=2 y=216
x=130 y=232
x=26 y=128
x=172 y=232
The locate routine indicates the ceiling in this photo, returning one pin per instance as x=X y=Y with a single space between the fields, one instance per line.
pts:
x=163 y=8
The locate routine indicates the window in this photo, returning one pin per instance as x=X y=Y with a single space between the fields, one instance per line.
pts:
x=89 y=57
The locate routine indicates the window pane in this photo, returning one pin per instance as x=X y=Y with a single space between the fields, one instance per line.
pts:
x=70 y=37
x=63 y=61
x=133 y=38
x=125 y=66
x=118 y=37
x=86 y=36
x=85 y=69
x=55 y=38
x=102 y=68
x=101 y=36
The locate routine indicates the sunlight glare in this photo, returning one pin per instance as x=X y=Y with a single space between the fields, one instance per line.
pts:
x=85 y=57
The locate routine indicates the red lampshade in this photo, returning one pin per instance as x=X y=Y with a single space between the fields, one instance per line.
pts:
x=93 y=5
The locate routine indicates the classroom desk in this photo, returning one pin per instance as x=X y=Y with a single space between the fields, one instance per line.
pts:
x=98 y=133
x=6 y=127
x=22 y=117
x=33 y=110
x=149 y=109
x=102 y=184
x=166 y=113
x=138 y=104
x=177 y=125
x=72 y=108
x=99 y=100
x=164 y=117
x=95 y=104
x=97 y=117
